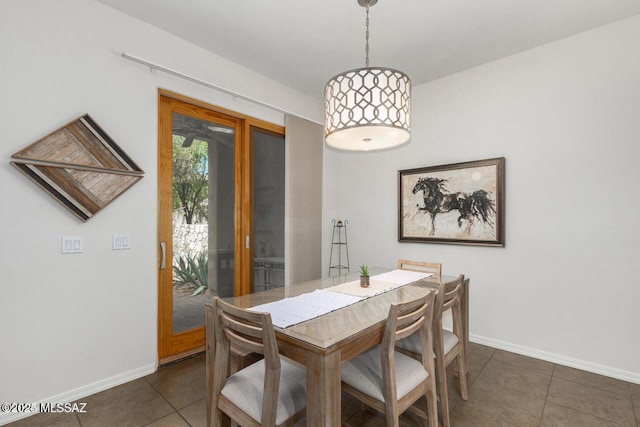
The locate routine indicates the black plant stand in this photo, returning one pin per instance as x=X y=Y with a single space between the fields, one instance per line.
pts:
x=338 y=227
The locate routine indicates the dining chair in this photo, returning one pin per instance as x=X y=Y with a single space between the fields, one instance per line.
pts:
x=448 y=345
x=237 y=360
x=436 y=270
x=422 y=266
x=270 y=392
x=391 y=382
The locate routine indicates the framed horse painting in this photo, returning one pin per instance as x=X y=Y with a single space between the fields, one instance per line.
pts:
x=459 y=203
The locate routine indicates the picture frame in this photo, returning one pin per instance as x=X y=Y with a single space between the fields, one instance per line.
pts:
x=458 y=203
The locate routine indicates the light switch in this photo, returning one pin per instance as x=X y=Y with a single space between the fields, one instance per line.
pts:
x=72 y=245
x=121 y=241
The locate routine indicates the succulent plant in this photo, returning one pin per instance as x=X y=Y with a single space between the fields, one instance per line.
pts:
x=364 y=270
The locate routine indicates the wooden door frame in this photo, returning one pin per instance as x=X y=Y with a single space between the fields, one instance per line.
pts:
x=170 y=346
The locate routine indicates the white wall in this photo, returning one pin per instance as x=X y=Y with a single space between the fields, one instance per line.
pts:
x=567 y=118
x=74 y=324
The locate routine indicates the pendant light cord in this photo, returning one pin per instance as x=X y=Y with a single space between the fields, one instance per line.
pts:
x=366 y=35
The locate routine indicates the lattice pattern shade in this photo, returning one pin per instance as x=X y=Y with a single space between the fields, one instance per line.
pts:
x=80 y=166
x=368 y=109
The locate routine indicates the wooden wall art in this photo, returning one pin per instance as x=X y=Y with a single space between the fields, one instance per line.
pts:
x=80 y=166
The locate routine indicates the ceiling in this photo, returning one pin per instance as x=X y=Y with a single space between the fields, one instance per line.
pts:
x=302 y=43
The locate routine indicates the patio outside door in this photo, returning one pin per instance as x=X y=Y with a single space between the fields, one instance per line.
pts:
x=206 y=216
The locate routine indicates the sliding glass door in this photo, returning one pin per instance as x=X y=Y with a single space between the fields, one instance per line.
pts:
x=210 y=162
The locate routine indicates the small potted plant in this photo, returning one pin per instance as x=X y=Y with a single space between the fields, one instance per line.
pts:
x=364 y=276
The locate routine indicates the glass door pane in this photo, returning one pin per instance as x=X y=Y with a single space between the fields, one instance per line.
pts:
x=203 y=216
x=268 y=214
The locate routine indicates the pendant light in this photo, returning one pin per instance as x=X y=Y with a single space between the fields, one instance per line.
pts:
x=367 y=108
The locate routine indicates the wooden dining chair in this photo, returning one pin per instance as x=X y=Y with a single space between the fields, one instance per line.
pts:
x=391 y=382
x=448 y=345
x=270 y=392
x=436 y=270
x=422 y=266
x=239 y=359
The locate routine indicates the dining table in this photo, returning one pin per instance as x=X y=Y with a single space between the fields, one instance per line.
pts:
x=323 y=343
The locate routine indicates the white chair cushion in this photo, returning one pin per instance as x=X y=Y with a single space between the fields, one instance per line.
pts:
x=364 y=373
x=412 y=342
x=449 y=340
x=245 y=389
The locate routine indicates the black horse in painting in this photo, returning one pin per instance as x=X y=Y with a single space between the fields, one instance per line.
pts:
x=471 y=206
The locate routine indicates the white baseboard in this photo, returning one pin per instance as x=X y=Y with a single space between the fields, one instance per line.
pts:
x=84 y=391
x=632 y=377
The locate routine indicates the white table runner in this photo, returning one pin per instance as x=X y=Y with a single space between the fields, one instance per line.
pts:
x=380 y=283
x=291 y=311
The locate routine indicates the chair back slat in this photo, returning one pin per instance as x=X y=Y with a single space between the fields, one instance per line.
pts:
x=247 y=331
x=434 y=268
x=407 y=318
x=242 y=334
x=410 y=329
x=452 y=293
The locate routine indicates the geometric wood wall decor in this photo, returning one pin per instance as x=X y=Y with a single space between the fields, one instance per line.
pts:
x=80 y=166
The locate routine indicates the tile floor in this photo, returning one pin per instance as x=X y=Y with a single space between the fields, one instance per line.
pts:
x=506 y=389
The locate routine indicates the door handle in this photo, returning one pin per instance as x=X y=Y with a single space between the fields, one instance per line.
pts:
x=163 y=248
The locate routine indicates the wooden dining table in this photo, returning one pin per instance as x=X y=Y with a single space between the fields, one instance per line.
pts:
x=322 y=344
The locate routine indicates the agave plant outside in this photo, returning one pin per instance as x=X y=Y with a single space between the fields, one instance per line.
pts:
x=192 y=270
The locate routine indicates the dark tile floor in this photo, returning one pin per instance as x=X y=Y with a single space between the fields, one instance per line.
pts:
x=506 y=389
